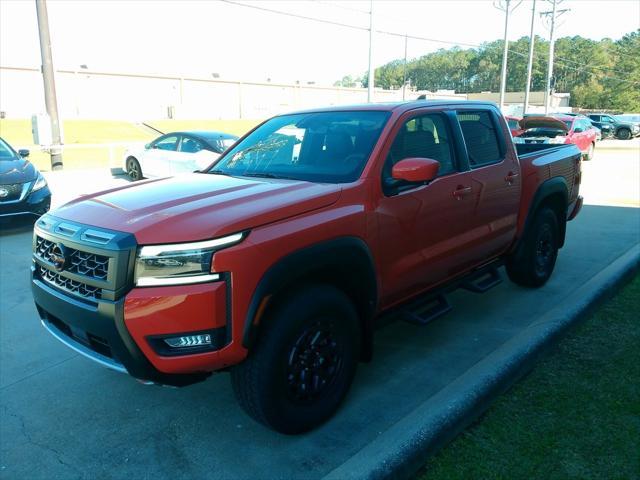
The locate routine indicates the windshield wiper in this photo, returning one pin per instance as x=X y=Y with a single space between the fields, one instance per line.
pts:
x=267 y=175
x=219 y=172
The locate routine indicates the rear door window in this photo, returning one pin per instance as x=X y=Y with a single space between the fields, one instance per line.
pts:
x=481 y=137
x=190 y=145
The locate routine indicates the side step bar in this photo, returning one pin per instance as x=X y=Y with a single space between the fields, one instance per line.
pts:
x=482 y=281
x=426 y=310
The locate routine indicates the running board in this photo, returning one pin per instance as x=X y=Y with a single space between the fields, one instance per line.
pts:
x=426 y=310
x=483 y=281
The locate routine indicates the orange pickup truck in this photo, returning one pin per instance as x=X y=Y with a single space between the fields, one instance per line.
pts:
x=276 y=261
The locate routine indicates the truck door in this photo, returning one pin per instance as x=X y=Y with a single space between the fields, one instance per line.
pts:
x=423 y=230
x=495 y=180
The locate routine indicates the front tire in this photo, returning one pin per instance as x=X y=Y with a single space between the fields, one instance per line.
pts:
x=133 y=169
x=624 y=134
x=533 y=261
x=590 y=152
x=304 y=362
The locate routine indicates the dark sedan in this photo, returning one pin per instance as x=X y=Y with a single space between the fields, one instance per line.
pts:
x=23 y=189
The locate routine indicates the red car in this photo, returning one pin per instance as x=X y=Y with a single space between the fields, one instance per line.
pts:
x=559 y=129
x=277 y=261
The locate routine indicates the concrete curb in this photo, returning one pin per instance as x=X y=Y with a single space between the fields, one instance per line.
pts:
x=401 y=450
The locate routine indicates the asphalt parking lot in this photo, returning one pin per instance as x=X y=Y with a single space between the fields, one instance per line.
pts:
x=64 y=417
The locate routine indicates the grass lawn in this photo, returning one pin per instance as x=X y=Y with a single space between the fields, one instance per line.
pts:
x=79 y=132
x=576 y=415
x=18 y=131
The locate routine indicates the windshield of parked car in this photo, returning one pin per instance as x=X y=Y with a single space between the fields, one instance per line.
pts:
x=6 y=152
x=324 y=147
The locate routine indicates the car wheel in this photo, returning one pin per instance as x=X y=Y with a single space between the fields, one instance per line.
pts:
x=533 y=261
x=133 y=169
x=624 y=134
x=590 y=152
x=303 y=363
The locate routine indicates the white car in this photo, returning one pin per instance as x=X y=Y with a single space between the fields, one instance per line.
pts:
x=175 y=153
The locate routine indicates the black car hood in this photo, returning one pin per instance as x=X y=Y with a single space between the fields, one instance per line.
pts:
x=17 y=171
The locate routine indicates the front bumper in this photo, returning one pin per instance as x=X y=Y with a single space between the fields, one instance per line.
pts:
x=34 y=203
x=123 y=328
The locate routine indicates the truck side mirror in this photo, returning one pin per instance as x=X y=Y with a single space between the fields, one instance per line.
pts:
x=415 y=169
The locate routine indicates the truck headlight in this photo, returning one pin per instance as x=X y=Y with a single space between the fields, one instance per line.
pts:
x=180 y=263
x=40 y=183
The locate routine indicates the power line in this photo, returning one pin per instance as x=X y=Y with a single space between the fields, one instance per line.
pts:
x=396 y=34
x=295 y=15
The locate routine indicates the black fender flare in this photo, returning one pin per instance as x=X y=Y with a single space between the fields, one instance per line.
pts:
x=349 y=258
x=553 y=186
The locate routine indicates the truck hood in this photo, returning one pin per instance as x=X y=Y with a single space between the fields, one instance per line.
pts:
x=543 y=122
x=196 y=206
x=17 y=170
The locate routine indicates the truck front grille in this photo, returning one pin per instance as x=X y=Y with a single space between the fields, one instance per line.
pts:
x=14 y=191
x=83 y=263
x=70 y=286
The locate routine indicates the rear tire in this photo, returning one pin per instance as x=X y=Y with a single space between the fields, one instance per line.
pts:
x=304 y=362
x=133 y=169
x=533 y=261
x=624 y=134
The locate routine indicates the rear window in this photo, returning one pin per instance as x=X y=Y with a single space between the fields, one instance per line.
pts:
x=481 y=138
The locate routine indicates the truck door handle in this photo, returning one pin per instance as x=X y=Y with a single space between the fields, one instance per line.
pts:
x=461 y=191
x=510 y=177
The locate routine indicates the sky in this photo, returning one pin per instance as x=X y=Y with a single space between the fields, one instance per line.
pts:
x=200 y=38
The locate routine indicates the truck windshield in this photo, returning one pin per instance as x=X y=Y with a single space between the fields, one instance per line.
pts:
x=6 y=152
x=323 y=147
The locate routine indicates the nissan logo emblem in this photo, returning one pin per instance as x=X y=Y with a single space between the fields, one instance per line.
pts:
x=58 y=256
x=3 y=192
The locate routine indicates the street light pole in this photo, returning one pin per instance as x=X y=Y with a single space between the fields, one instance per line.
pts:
x=554 y=14
x=404 y=69
x=371 y=71
x=527 y=88
x=547 y=88
x=506 y=6
x=49 y=84
x=505 y=52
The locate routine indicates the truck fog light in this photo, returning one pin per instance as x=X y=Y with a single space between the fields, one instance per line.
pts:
x=189 y=341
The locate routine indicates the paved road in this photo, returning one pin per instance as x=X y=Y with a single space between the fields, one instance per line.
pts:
x=61 y=416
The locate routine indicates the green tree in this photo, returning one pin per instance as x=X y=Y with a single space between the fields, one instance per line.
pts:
x=597 y=74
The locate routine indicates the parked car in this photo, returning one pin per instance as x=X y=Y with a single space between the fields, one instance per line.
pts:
x=276 y=262
x=23 y=189
x=175 y=153
x=621 y=129
x=606 y=131
x=629 y=118
x=559 y=129
x=514 y=125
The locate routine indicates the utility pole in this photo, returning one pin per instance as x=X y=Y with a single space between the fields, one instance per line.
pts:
x=49 y=84
x=554 y=14
x=371 y=68
x=404 y=69
x=532 y=38
x=504 y=5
